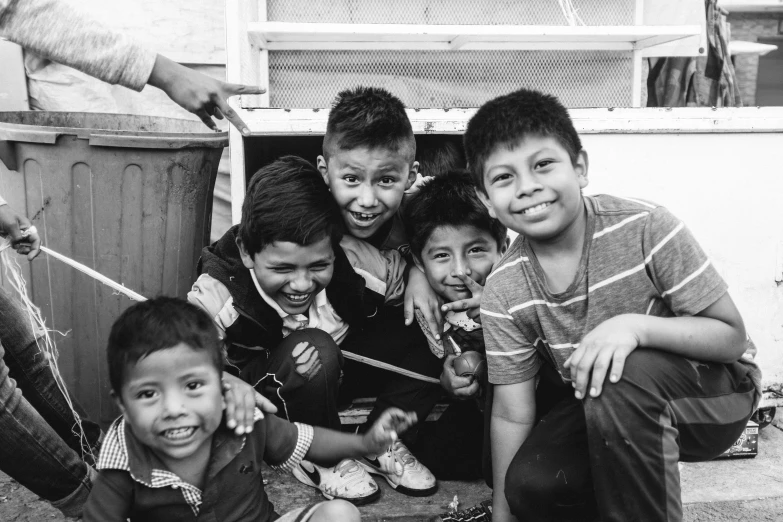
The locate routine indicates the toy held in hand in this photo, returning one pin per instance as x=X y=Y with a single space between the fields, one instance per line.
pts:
x=470 y=364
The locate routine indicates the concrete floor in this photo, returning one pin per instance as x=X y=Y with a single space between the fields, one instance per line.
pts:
x=723 y=490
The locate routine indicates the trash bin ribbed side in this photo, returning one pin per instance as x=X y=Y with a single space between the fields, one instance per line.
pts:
x=140 y=216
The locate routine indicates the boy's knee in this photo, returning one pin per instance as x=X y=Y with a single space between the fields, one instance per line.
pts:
x=314 y=353
x=336 y=510
x=527 y=489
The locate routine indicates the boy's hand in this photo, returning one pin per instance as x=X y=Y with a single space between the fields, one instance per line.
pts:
x=419 y=294
x=456 y=386
x=241 y=401
x=472 y=304
x=420 y=181
x=385 y=430
x=24 y=237
x=602 y=350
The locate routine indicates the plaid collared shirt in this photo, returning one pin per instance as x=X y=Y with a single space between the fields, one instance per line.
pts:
x=115 y=455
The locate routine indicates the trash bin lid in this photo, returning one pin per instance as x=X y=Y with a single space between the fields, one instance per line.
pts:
x=109 y=130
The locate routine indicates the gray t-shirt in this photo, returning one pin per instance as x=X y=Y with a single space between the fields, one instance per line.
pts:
x=637 y=258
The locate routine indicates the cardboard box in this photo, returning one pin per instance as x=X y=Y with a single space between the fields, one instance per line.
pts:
x=746 y=446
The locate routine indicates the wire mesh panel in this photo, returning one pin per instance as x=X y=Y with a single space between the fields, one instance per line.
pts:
x=445 y=12
x=439 y=79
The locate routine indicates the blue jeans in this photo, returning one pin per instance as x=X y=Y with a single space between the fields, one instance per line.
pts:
x=38 y=446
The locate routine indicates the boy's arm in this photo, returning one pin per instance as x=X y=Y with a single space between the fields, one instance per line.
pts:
x=111 y=497
x=706 y=326
x=330 y=447
x=382 y=270
x=513 y=416
x=715 y=334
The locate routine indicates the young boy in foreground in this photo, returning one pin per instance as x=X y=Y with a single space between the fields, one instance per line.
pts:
x=169 y=458
x=285 y=294
x=455 y=243
x=614 y=297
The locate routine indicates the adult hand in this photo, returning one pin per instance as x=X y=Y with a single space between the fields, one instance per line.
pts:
x=602 y=350
x=241 y=401
x=386 y=429
x=24 y=239
x=195 y=92
x=419 y=294
x=456 y=386
x=472 y=304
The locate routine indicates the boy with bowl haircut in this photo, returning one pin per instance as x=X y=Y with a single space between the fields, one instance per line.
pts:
x=168 y=458
x=284 y=292
x=455 y=242
x=613 y=296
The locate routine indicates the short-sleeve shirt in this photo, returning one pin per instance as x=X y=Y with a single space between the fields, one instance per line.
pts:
x=134 y=484
x=637 y=259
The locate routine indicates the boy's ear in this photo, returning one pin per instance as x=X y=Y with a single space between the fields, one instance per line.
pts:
x=322 y=168
x=418 y=263
x=487 y=203
x=247 y=259
x=581 y=168
x=504 y=245
x=412 y=173
x=118 y=401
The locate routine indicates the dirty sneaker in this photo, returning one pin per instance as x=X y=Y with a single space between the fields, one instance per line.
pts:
x=479 y=513
x=402 y=471
x=347 y=480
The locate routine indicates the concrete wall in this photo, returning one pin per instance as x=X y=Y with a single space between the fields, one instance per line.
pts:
x=749 y=27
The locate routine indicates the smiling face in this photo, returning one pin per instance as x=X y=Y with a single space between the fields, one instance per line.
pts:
x=292 y=274
x=534 y=189
x=451 y=250
x=173 y=401
x=368 y=185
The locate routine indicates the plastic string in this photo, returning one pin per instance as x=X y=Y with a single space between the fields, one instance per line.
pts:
x=138 y=297
x=13 y=274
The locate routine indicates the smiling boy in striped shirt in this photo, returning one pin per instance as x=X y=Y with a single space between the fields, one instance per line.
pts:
x=613 y=345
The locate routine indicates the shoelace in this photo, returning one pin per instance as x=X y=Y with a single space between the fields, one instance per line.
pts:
x=346 y=467
x=402 y=456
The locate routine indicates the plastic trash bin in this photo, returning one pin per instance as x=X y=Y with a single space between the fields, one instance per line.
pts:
x=129 y=196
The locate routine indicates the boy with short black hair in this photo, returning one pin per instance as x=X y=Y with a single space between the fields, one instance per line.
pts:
x=455 y=242
x=168 y=458
x=368 y=163
x=596 y=287
x=284 y=291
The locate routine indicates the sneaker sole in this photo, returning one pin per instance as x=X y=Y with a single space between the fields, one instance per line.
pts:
x=402 y=489
x=360 y=501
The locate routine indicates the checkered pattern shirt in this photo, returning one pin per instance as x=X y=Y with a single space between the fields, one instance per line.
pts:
x=114 y=455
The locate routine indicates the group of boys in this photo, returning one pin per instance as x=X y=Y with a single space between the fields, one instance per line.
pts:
x=593 y=288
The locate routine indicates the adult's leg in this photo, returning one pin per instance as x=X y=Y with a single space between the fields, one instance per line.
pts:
x=33 y=374
x=32 y=453
x=289 y=375
x=386 y=338
x=549 y=477
x=664 y=409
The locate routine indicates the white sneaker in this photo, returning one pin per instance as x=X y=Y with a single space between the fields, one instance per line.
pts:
x=402 y=471
x=347 y=480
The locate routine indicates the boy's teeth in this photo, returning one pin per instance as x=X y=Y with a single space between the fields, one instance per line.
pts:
x=542 y=206
x=179 y=433
x=297 y=297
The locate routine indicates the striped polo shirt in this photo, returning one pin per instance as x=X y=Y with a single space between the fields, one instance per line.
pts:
x=637 y=258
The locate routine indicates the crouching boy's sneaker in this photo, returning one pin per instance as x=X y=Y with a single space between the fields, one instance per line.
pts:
x=347 y=480
x=402 y=471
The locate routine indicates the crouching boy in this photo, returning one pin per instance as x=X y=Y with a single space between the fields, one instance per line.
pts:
x=455 y=243
x=613 y=304
x=284 y=293
x=169 y=458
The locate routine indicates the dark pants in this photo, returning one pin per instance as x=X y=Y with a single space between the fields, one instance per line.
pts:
x=386 y=338
x=38 y=443
x=618 y=453
x=315 y=400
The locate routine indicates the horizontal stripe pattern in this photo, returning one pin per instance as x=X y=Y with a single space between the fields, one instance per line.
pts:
x=640 y=259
